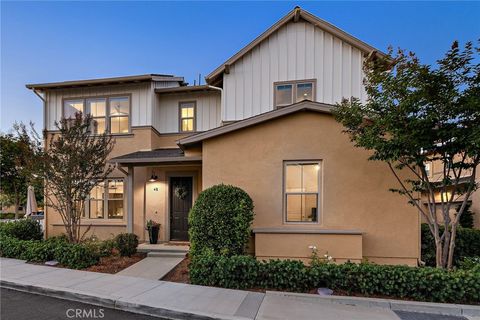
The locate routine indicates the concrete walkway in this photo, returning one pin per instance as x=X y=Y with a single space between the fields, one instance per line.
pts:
x=183 y=301
x=154 y=268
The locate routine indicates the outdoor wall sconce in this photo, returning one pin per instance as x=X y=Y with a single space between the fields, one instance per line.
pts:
x=153 y=177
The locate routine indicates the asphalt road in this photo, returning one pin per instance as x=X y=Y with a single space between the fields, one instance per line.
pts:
x=16 y=305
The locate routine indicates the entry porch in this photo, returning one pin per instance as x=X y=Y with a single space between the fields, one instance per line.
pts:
x=160 y=185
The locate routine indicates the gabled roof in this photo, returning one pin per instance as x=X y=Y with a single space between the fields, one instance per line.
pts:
x=295 y=15
x=305 y=105
x=105 y=81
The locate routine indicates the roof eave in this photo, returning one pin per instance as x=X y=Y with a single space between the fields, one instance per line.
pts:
x=164 y=160
x=104 y=81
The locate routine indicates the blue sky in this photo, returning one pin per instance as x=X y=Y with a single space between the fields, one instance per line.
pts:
x=58 y=41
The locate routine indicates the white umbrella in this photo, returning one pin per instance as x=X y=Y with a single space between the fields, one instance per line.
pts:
x=31 y=202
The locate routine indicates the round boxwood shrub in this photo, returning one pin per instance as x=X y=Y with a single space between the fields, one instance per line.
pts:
x=126 y=244
x=220 y=221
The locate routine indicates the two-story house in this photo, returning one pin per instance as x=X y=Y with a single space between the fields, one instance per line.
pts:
x=262 y=122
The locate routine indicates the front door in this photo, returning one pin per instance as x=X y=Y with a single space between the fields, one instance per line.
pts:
x=181 y=197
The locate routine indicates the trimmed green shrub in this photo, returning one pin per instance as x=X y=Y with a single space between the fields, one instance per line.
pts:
x=24 y=229
x=417 y=283
x=126 y=244
x=467 y=244
x=75 y=255
x=101 y=248
x=220 y=221
x=71 y=255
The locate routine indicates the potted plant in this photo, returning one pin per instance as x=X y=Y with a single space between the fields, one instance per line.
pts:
x=153 y=228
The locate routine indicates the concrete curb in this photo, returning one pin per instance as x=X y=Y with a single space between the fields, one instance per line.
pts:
x=107 y=302
x=394 y=305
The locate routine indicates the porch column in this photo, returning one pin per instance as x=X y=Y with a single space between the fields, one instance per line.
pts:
x=130 y=199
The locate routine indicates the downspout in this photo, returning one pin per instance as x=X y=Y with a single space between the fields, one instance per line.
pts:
x=45 y=207
x=222 y=101
x=44 y=108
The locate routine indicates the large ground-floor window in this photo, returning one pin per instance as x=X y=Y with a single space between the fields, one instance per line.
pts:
x=302 y=183
x=106 y=200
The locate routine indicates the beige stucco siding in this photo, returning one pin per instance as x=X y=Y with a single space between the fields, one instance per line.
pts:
x=148 y=203
x=167 y=112
x=296 y=51
x=355 y=192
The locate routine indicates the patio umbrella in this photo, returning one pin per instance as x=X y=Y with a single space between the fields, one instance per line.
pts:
x=31 y=202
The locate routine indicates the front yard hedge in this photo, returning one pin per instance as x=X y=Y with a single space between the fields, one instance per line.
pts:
x=71 y=255
x=416 y=283
x=467 y=245
x=24 y=229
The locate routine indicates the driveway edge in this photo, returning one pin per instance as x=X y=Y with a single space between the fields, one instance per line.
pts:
x=100 y=301
x=394 y=305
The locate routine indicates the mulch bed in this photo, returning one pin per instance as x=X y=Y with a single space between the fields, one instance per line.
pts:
x=115 y=263
x=179 y=273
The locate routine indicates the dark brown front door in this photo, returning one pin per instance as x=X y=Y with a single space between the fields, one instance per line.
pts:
x=181 y=196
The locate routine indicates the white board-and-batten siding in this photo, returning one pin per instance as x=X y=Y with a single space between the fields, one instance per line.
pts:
x=296 y=51
x=166 y=111
x=141 y=101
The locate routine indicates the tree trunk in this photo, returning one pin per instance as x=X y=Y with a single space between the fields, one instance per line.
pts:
x=439 y=254
x=451 y=246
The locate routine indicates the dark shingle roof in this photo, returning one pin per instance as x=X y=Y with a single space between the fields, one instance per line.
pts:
x=157 y=153
x=166 y=155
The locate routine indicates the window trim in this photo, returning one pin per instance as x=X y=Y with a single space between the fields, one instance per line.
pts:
x=86 y=214
x=294 y=84
x=194 y=102
x=319 y=192
x=107 y=111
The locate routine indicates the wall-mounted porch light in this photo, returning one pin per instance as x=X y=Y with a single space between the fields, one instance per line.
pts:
x=153 y=177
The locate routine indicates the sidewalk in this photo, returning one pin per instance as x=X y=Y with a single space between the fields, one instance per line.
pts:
x=183 y=301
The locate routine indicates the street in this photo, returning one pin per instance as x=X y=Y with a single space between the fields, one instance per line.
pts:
x=17 y=305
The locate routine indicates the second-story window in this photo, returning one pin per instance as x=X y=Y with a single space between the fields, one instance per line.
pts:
x=119 y=114
x=187 y=116
x=110 y=114
x=97 y=108
x=70 y=107
x=289 y=92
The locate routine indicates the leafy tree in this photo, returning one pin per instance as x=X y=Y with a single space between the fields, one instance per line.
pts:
x=466 y=220
x=416 y=114
x=18 y=149
x=74 y=161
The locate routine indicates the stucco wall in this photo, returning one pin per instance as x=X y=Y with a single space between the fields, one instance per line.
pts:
x=355 y=192
x=144 y=138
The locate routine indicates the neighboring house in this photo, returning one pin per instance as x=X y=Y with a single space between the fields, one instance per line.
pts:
x=435 y=174
x=262 y=122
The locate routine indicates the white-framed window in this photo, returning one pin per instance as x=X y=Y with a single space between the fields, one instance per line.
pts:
x=119 y=114
x=106 y=200
x=186 y=114
x=111 y=114
x=70 y=107
x=288 y=92
x=97 y=107
x=302 y=189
